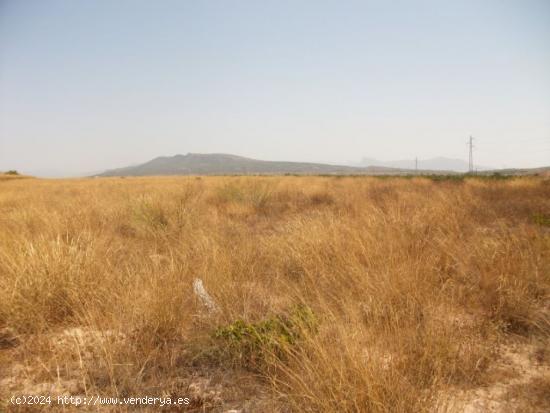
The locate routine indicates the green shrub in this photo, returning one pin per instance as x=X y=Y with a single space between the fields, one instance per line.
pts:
x=257 y=195
x=230 y=192
x=250 y=343
x=149 y=215
x=542 y=219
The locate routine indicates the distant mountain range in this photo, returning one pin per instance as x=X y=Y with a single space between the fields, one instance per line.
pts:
x=225 y=164
x=433 y=164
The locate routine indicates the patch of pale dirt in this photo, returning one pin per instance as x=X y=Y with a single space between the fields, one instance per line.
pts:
x=210 y=390
x=25 y=377
x=518 y=366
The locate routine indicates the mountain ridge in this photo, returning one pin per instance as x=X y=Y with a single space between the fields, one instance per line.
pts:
x=438 y=163
x=228 y=164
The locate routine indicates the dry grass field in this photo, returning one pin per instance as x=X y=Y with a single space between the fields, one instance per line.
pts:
x=331 y=294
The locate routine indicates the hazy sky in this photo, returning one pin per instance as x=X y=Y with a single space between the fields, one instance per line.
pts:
x=88 y=85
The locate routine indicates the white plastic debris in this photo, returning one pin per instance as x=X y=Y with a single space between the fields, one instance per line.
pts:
x=204 y=297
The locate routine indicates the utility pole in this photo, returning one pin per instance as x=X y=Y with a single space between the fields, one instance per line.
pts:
x=471 y=155
x=416 y=164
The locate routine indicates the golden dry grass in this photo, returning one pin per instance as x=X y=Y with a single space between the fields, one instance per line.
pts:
x=412 y=285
